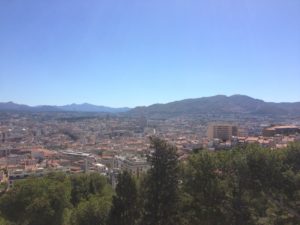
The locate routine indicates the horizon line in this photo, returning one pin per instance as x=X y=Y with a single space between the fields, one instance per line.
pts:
x=116 y=107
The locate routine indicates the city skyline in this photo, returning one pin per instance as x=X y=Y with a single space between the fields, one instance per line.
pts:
x=140 y=53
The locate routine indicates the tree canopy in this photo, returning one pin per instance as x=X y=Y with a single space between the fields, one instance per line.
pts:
x=124 y=209
x=161 y=186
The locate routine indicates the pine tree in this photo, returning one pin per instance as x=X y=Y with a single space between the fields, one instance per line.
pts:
x=160 y=187
x=124 y=204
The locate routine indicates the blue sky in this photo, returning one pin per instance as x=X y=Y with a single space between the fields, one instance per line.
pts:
x=135 y=52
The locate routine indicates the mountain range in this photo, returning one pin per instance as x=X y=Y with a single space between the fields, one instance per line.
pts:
x=85 y=107
x=219 y=104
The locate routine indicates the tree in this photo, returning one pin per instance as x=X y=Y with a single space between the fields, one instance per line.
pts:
x=275 y=178
x=36 y=201
x=84 y=185
x=161 y=191
x=204 y=183
x=91 y=197
x=92 y=212
x=236 y=173
x=124 y=204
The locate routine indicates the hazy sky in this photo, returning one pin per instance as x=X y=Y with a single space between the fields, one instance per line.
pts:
x=139 y=52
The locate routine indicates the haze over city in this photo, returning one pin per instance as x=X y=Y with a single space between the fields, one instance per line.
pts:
x=83 y=142
x=135 y=53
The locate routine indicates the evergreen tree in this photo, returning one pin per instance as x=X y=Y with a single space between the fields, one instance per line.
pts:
x=124 y=204
x=161 y=192
x=204 y=183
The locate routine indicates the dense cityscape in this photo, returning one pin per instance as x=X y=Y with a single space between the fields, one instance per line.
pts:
x=110 y=164
x=40 y=143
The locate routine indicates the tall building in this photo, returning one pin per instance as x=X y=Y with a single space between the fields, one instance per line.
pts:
x=283 y=130
x=223 y=132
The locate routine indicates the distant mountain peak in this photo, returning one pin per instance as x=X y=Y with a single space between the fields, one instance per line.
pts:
x=242 y=96
x=218 y=104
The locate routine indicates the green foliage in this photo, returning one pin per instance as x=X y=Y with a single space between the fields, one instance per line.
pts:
x=160 y=187
x=48 y=200
x=124 y=209
x=204 y=183
x=36 y=202
x=85 y=185
x=246 y=186
x=91 y=197
x=293 y=157
x=92 y=212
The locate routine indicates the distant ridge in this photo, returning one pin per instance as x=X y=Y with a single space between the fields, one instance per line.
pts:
x=85 y=107
x=219 y=104
x=13 y=106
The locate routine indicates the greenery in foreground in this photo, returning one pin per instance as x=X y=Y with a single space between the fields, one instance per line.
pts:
x=247 y=186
